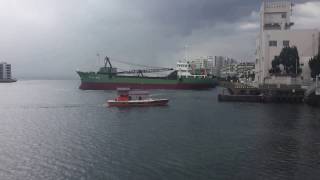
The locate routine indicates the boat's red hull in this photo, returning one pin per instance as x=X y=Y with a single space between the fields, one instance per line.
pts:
x=162 y=102
x=113 y=86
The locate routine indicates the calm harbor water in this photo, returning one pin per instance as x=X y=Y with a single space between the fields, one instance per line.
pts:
x=52 y=130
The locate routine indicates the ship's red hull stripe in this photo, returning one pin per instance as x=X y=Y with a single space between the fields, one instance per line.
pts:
x=113 y=86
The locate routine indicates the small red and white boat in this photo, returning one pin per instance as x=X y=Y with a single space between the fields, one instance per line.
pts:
x=127 y=98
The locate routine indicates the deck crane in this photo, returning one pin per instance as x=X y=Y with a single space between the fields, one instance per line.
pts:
x=133 y=71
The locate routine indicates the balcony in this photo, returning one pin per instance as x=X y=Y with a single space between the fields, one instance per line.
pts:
x=288 y=25
x=273 y=26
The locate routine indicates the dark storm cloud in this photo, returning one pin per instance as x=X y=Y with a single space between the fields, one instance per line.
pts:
x=187 y=15
x=55 y=37
x=191 y=14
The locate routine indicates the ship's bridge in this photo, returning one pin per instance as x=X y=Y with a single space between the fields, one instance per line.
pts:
x=183 y=69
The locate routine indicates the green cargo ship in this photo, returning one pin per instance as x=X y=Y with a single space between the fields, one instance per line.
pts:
x=107 y=78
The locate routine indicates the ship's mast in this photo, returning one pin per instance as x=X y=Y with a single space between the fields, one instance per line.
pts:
x=186 y=52
x=98 y=56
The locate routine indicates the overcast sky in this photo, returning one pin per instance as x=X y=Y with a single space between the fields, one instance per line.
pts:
x=53 y=38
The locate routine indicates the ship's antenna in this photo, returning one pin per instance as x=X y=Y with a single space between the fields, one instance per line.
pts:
x=186 y=52
x=98 y=55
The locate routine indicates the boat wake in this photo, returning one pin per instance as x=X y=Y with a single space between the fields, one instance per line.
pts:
x=62 y=106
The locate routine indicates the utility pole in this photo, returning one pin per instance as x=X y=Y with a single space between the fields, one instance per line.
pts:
x=319 y=44
x=317 y=91
x=297 y=67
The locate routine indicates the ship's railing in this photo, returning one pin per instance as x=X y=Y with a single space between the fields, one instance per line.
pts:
x=194 y=76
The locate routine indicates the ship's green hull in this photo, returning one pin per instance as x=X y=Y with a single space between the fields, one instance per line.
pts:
x=96 y=81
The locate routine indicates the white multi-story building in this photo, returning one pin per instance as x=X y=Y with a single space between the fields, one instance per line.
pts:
x=240 y=70
x=220 y=63
x=211 y=66
x=5 y=71
x=276 y=33
x=204 y=64
x=228 y=70
x=245 y=68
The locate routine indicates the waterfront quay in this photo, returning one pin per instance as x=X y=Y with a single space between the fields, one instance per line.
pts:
x=271 y=93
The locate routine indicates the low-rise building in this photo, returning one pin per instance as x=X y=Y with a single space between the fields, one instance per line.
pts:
x=229 y=70
x=5 y=71
x=219 y=66
x=243 y=70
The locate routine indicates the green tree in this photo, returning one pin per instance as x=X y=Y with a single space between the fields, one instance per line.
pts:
x=275 y=66
x=289 y=58
x=314 y=65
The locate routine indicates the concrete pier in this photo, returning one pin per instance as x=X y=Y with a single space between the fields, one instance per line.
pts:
x=263 y=94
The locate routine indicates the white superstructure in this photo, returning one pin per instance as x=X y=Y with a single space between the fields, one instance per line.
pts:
x=184 y=70
x=275 y=33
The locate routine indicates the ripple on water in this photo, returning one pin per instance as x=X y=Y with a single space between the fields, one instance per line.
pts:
x=52 y=130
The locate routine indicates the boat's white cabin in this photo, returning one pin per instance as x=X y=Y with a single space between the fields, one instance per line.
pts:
x=127 y=93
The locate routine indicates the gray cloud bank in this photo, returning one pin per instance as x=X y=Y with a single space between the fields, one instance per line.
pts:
x=53 y=38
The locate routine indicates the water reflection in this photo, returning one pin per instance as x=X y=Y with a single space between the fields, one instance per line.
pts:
x=281 y=150
x=69 y=134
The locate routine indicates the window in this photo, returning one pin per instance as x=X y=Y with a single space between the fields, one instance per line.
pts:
x=273 y=43
x=284 y=15
x=286 y=43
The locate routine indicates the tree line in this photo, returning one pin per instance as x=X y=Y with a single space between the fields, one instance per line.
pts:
x=288 y=63
x=314 y=65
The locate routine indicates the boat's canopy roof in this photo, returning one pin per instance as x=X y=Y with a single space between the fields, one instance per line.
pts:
x=128 y=91
x=138 y=92
x=123 y=89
